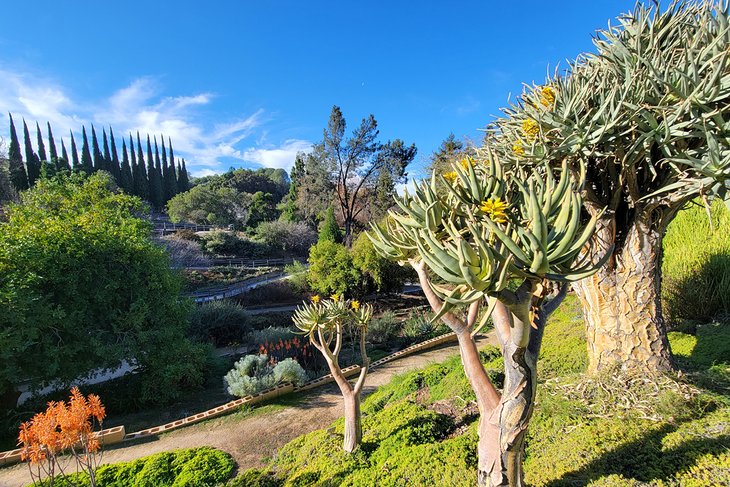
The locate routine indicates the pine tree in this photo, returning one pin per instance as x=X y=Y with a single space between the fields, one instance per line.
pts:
x=31 y=158
x=183 y=181
x=98 y=163
x=125 y=173
x=52 y=145
x=75 y=164
x=18 y=176
x=153 y=174
x=86 y=165
x=62 y=164
x=114 y=162
x=330 y=230
x=141 y=176
x=41 y=146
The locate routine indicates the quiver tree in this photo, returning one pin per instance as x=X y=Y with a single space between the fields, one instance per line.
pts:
x=468 y=244
x=647 y=115
x=324 y=323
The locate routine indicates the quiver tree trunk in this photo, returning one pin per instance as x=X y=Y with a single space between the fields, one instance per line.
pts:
x=502 y=428
x=353 y=424
x=622 y=302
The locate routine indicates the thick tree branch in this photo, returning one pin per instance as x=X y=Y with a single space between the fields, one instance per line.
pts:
x=456 y=325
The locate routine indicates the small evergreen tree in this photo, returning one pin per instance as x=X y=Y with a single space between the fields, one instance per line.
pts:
x=18 y=175
x=42 y=156
x=31 y=158
x=183 y=182
x=53 y=154
x=114 y=161
x=98 y=163
x=75 y=164
x=62 y=164
x=153 y=174
x=126 y=180
x=106 y=157
x=141 y=181
x=86 y=165
x=330 y=231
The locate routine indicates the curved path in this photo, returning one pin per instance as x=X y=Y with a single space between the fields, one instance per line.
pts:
x=253 y=439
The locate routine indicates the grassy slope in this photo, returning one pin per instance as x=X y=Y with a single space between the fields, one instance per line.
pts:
x=578 y=436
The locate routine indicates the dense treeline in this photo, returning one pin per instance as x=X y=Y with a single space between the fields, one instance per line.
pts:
x=150 y=172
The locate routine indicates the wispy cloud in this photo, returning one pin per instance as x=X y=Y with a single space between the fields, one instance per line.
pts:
x=142 y=106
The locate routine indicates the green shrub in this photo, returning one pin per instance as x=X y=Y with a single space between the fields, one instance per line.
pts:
x=384 y=329
x=271 y=334
x=696 y=264
x=289 y=370
x=287 y=236
x=225 y=243
x=194 y=467
x=255 y=478
x=220 y=323
x=297 y=272
x=331 y=270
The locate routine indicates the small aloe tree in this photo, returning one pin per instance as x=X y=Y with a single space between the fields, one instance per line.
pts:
x=504 y=239
x=324 y=323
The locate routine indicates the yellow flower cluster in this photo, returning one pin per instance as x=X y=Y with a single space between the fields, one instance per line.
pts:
x=355 y=304
x=450 y=177
x=466 y=162
x=316 y=299
x=496 y=210
x=531 y=129
x=518 y=149
x=547 y=97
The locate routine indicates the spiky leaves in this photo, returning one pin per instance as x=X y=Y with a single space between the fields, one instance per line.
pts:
x=490 y=227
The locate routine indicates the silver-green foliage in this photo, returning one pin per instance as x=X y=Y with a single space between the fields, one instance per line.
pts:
x=647 y=113
x=254 y=373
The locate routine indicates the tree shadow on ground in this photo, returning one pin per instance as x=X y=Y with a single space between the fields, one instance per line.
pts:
x=644 y=460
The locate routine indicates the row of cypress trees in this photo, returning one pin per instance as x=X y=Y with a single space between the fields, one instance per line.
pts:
x=153 y=176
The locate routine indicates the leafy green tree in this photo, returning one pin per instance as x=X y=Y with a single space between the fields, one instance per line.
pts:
x=329 y=230
x=289 y=210
x=205 y=204
x=331 y=270
x=32 y=162
x=355 y=164
x=379 y=274
x=83 y=287
x=262 y=208
x=87 y=166
x=18 y=175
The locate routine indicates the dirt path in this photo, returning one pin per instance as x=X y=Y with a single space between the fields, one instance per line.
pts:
x=251 y=440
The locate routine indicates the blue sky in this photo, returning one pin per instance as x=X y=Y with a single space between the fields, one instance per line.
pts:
x=248 y=84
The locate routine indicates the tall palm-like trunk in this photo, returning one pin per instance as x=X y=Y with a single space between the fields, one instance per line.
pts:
x=622 y=302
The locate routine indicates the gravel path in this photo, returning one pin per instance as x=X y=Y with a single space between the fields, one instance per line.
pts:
x=253 y=439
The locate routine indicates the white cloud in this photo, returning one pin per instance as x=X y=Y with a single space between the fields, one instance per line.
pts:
x=141 y=106
x=278 y=157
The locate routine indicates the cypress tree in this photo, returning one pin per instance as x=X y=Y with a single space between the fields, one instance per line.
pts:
x=51 y=145
x=18 y=176
x=86 y=165
x=41 y=146
x=183 y=181
x=114 y=162
x=75 y=164
x=62 y=164
x=153 y=174
x=125 y=173
x=143 y=181
x=98 y=163
x=31 y=158
x=175 y=170
x=169 y=175
x=106 y=161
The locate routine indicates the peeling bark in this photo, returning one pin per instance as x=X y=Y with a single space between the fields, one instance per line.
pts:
x=622 y=302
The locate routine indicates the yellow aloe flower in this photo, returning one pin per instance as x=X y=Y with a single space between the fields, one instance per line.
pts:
x=316 y=299
x=547 y=97
x=450 y=177
x=531 y=129
x=518 y=149
x=355 y=304
x=496 y=209
x=466 y=162
x=335 y=297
